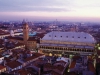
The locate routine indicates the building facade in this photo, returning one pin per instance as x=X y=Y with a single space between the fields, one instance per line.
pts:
x=67 y=43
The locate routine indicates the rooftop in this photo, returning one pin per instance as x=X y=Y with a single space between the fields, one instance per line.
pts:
x=13 y=64
x=69 y=37
x=91 y=67
x=2 y=67
x=73 y=63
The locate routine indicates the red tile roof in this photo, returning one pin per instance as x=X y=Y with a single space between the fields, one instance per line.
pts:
x=40 y=61
x=98 y=60
x=35 y=55
x=76 y=57
x=91 y=67
x=58 y=68
x=1 y=40
x=1 y=56
x=16 y=38
x=1 y=67
x=41 y=35
x=98 y=52
x=4 y=32
x=13 y=64
x=54 y=73
x=48 y=67
x=32 y=39
x=61 y=62
x=90 y=59
x=73 y=63
x=7 y=59
x=23 y=72
x=71 y=73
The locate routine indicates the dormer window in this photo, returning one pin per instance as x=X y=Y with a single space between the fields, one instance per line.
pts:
x=85 y=37
x=67 y=36
x=78 y=37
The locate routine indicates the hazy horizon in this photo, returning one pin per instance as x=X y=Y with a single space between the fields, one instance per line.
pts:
x=63 y=10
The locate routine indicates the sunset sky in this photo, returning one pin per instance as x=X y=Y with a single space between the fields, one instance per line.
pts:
x=67 y=10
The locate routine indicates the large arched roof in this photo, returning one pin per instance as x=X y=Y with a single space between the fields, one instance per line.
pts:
x=69 y=36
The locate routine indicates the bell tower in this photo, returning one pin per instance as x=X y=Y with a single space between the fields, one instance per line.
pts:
x=25 y=33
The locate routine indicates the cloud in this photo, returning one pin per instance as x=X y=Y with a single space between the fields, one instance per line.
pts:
x=46 y=5
x=33 y=5
x=70 y=8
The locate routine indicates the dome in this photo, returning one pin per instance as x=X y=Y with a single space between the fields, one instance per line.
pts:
x=81 y=37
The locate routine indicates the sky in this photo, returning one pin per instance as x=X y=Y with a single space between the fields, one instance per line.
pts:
x=64 y=10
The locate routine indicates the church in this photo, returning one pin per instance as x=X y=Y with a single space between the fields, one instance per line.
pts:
x=31 y=42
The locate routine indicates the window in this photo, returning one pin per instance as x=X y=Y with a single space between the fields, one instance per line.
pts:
x=49 y=35
x=78 y=37
x=55 y=35
x=60 y=36
x=67 y=36
x=72 y=36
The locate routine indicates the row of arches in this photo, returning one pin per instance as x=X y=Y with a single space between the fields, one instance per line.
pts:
x=67 y=49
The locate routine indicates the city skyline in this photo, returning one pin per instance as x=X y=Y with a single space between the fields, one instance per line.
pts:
x=67 y=10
